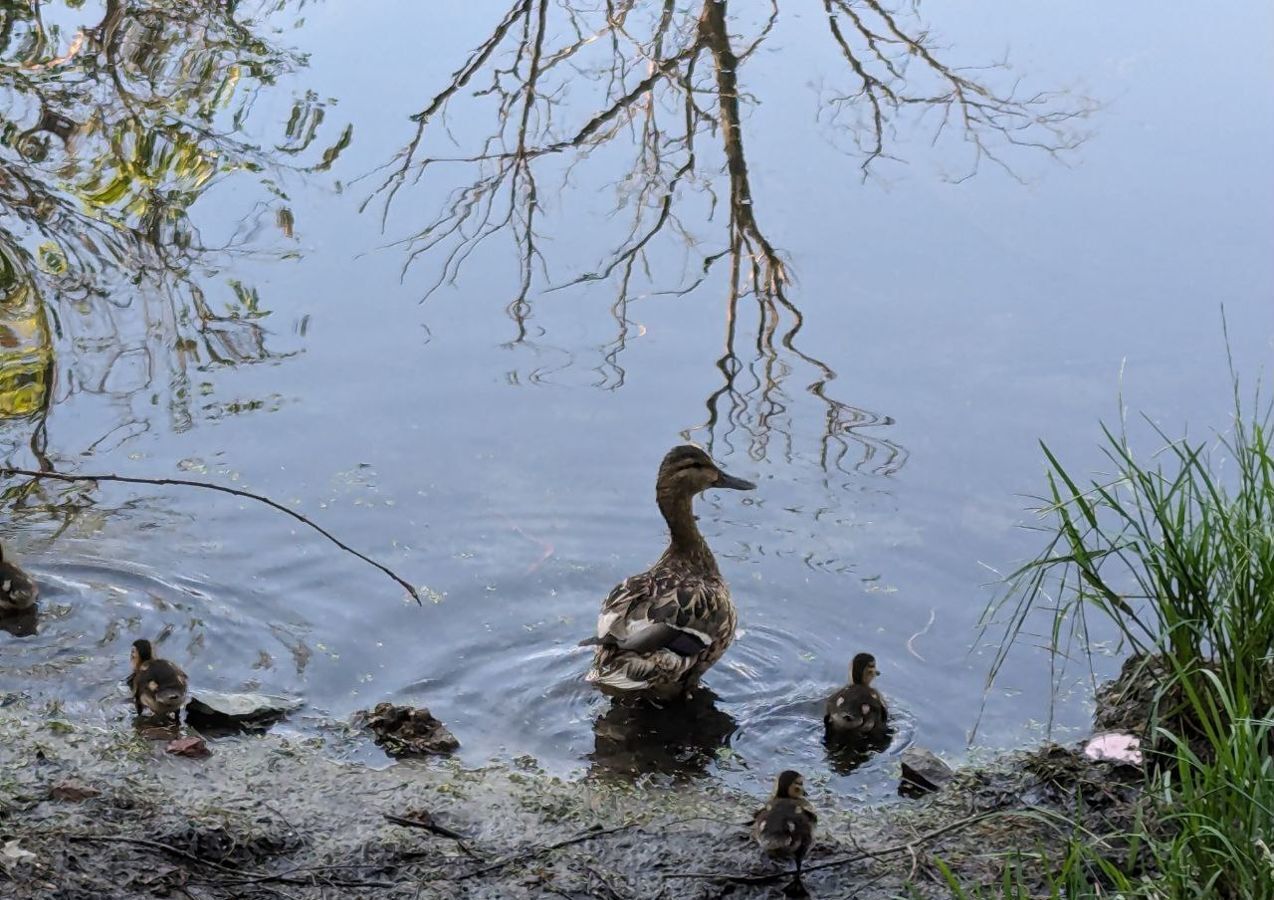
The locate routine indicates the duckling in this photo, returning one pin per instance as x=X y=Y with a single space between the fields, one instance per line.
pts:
x=17 y=591
x=784 y=827
x=659 y=631
x=158 y=685
x=857 y=710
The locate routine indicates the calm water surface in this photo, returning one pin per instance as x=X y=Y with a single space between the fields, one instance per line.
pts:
x=331 y=253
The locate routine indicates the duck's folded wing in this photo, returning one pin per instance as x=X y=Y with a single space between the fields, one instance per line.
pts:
x=647 y=637
x=643 y=616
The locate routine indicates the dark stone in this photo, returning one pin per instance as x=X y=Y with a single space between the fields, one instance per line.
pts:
x=215 y=712
x=922 y=772
x=408 y=731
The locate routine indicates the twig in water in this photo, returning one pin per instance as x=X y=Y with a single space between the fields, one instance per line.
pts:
x=920 y=633
x=8 y=471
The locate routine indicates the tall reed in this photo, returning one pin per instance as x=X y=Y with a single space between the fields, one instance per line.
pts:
x=1176 y=551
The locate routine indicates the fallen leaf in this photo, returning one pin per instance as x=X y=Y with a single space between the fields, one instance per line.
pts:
x=71 y=791
x=191 y=747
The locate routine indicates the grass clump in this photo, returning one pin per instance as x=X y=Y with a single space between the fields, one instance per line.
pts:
x=1176 y=551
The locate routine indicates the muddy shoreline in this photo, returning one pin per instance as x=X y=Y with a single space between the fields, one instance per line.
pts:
x=108 y=814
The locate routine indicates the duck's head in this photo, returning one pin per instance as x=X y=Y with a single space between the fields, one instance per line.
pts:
x=790 y=785
x=863 y=669
x=687 y=470
x=141 y=653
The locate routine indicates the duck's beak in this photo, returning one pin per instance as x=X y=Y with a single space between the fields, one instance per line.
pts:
x=725 y=480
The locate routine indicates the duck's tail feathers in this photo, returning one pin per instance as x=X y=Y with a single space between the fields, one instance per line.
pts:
x=170 y=696
x=844 y=722
x=777 y=844
x=615 y=679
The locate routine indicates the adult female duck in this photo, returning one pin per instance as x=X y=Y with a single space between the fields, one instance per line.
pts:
x=659 y=631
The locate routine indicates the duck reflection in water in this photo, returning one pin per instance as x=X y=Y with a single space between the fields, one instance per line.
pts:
x=847 y=754
x=21 y=624
x=681 y=738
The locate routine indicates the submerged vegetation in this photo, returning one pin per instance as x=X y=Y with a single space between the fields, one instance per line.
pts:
x=1177 y=553
x=116 y=118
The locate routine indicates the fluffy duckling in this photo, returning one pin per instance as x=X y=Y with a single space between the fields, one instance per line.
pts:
x=659 y=631
x=784 y=827
x=857 y=710
x=158 y=685
x=17 y=590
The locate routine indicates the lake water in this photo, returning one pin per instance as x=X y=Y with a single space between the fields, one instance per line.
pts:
x=224 y=260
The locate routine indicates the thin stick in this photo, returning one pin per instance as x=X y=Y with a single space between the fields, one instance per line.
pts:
x=243 y=877
x=909 y=847
x=434 y=828
x=580 y=838
x=547 y=848
x=142 y=842
x=8 y=471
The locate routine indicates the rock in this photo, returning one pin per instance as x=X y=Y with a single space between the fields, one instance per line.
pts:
x=408 y=731
x=922 y=772
x=71 y=791
x=237 y=712
x=190 y=747
x=12 y=856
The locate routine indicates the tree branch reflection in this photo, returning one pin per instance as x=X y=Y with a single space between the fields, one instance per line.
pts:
x=114 y=123
x=668 y=97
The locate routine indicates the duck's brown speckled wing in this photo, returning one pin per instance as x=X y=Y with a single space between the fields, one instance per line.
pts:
x=17 y=591
x=855 y=708
x=160 y=680
x=658 y=628
x=784 y=827
x=168 y=673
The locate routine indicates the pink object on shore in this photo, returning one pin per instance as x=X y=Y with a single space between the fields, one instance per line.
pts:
x=1114 y=747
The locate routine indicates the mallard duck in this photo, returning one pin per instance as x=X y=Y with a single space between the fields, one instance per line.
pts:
x=17 y=590
x=857 y=710
x=158 y=685
x=659 y=631
x=784 y=827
